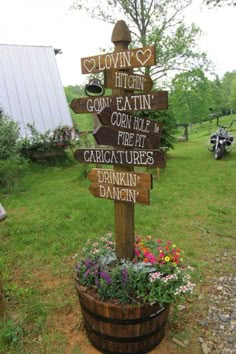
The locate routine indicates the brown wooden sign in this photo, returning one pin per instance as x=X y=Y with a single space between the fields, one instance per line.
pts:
x=123 y=194
x=121 y=178
x=132 y=102
x=124 y=138
x=148 y=158
x=124 y=120
x=134 y=58
x=133 y=82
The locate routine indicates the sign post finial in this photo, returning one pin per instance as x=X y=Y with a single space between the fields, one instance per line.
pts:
x=121 y=33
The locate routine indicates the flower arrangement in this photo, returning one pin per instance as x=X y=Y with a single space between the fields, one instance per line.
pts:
x=59 y=138
x=155 y=274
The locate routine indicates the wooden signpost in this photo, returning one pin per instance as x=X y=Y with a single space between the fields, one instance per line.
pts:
x=130 y=82
x=122 y=59
x=131 y=102
x=135 y=138
x=125 y=138
x=127 y=187
x=120 y=120
x=120 y=178
x=121 y=157
x=122 y=194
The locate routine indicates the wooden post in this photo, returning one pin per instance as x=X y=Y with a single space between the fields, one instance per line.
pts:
x=124 y=212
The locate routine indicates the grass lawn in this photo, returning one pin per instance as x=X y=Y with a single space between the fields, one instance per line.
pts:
x=192 y=203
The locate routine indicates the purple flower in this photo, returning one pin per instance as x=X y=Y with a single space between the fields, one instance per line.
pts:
x=97 y=283
x=124 y=276
x=87 y=272
x=106 y=277
x=88 y=262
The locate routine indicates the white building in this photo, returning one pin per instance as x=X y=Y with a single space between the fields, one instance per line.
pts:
x=30 y=87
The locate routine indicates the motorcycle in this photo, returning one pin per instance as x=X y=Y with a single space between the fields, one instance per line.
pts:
x=220 y=142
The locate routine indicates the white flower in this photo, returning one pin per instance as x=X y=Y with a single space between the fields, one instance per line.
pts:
x=154 y=276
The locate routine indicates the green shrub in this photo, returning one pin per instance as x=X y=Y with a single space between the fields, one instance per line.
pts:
x=12 y=165
x=9 y=137
x=60 y=138
x=11 y=172
x=168 y=126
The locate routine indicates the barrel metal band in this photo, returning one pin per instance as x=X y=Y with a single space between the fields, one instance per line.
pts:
x=159 y=329
x=121 y=321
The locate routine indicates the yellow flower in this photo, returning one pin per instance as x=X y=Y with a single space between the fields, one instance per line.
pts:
x=167 y=258
x=174 y=245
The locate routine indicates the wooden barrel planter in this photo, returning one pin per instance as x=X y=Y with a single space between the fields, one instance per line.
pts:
x=131 y=329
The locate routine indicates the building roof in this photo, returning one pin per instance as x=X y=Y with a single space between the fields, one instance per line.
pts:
x=30 y=87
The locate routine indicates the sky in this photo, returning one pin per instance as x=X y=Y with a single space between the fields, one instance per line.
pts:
x=50 y=23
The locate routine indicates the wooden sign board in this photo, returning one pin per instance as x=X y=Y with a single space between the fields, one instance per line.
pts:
x=123 y=194
x=132 y=102
x=124 y=138
x=147 y=158
x=124 y=120
x=121 y=178
x=133 y=82
x=134 y=58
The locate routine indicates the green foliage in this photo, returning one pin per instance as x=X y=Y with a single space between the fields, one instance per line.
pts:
x=168 y=128
x=72 y=92
x=11 y=172
x=190 y=97
x=194 y=98
x=9 y=135
x=12 y=166
x=56 y=216
x=232 y=96
x=58 y=138
x=176 y=49
x=220 y=3
x=154 y=22
x=156 y=272
x=10 y=332
x=216 y=95
x=227 y=88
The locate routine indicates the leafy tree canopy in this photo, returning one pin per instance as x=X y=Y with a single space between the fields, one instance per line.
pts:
x=228 y=88
x=158 y=22
x=220 y=2
x=191 y=97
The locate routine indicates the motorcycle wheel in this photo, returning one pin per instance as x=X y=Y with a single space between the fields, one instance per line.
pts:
x=219 y=152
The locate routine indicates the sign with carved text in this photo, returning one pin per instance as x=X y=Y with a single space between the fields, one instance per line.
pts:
x=147 y=158
x=121 y=178
x=134 y=82
x=124 y=138
x=132 y=102
x=122 y=194
x=125 y=120
x=134 y=58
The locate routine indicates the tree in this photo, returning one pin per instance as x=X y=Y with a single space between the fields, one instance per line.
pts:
x=220 y=2
x=232 y=96
x=216 y=94
x=158 y=22
x=227 y=81
x=190 y=97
